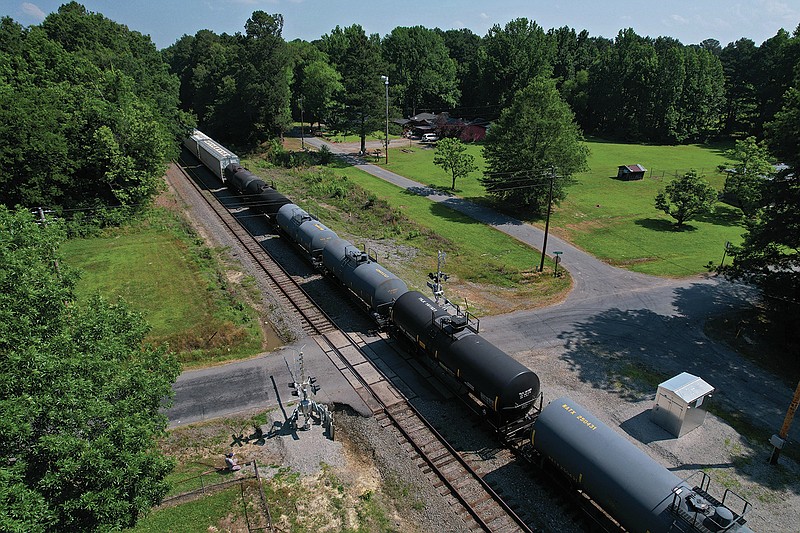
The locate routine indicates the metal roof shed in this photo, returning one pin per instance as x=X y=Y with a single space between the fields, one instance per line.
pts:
x=679 y=403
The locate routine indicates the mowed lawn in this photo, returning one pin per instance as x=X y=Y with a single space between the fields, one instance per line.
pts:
x=612 y=219
x=149 y=269
x=156 y=274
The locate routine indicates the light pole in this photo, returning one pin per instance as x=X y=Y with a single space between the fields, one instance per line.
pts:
x=386 y=147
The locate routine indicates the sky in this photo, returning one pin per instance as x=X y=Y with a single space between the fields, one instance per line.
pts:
x=689 y=21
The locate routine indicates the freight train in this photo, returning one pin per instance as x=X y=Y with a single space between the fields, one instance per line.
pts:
x=639 y=493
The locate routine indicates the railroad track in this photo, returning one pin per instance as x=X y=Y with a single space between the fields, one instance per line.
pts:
x=454 y=478
x=314 y=321
x=482 y=508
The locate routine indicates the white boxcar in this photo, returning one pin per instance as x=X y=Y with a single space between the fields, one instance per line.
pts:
x=216 y=157
x=192 y=142
x=213 y=155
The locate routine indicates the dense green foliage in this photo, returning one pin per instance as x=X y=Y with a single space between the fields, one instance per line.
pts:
x=237 y=86
x=686 y=198
x=80 y=395
x=751 y=167
x=533 y=138
x=357 y=57
x=421 y=71
x=631 y=87
x=88 y=113
x=655 y=90
x=316 y=84
x=770 y=254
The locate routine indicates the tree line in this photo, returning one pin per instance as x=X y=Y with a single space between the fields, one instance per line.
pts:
x=88 y=113
x=630 y=87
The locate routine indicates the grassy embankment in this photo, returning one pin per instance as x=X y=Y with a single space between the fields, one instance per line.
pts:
x=612 y=219
x=492 y=271
x=162 y=270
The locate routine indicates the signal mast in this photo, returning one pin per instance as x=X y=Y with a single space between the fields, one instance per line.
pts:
x=308 y=406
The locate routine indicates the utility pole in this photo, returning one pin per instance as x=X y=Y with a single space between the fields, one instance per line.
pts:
x=725 y=253
x=778 y=440
x=43 y=221
x=547 y=222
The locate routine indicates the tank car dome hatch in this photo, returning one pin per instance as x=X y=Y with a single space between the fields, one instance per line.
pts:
x=455 y=323
x=723 y=517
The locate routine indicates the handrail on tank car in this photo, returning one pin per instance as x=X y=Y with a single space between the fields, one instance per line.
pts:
x=703 y=490
x=705 y=485
x=744 y=508
x=472 y=322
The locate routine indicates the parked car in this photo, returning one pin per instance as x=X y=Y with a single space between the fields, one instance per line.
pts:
x=430 y=138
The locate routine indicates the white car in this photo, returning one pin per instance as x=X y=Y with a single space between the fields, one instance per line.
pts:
x=430 y=138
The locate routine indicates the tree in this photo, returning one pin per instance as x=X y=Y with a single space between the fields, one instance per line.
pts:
x=452 y=157
x=770 y=254
x=88 y=114
x=512 y=56
x=703 y=96
x=264 y=77
x=685 y=198
x=80 y=395
x=320 y=88
x=533 y=135
x=357 y=58
x=421 y=71
x=463 y=47
x=746 y=181
x=315 y=83
x=205 y=64
x=739 y=60
x=621 y=96
x=111 y=46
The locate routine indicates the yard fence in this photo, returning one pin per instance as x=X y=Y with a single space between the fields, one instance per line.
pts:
x=249 y=481
x=665 y=175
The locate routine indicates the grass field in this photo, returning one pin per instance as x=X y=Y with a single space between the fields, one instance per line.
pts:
x=612 y=219
x=174 y=282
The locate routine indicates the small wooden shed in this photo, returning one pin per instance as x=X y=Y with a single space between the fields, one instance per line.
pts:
x=630 y=172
